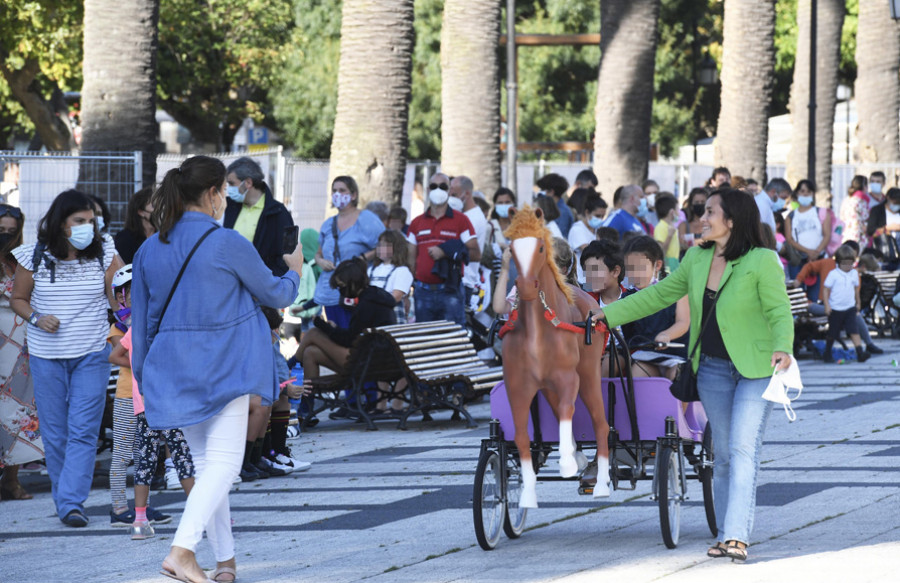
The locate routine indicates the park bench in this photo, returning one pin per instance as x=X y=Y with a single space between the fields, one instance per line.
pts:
x=807 y=327
x=880 y=310
x=437 y=360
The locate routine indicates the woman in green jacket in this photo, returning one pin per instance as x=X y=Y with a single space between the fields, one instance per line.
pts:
x=750 y=332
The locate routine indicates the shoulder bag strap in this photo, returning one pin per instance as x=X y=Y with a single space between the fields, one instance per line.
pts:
x=187 y=260
x=705 y=322
x=334 y=233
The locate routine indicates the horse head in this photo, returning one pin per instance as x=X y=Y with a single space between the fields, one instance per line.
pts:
x=531 y=249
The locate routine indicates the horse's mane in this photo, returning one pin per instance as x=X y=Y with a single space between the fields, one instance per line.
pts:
x=526 y=223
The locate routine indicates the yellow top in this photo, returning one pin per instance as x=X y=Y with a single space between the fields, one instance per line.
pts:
x=660 y=232
x=248 y=218
x=123 y=384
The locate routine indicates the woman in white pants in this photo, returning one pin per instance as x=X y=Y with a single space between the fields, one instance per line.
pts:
x=201 y=346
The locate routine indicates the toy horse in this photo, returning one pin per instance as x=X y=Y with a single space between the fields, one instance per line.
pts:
x=543 y=350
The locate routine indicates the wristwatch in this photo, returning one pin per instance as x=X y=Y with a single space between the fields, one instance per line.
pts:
x=33 y=318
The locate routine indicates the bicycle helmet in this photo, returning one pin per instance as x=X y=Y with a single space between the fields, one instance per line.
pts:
x=122 y=276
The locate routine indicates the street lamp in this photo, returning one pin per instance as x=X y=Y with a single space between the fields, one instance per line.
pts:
x=845 y=93
x=707 y=76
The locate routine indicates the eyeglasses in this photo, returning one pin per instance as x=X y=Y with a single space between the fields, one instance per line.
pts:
x=434 y=186
x=14 y=212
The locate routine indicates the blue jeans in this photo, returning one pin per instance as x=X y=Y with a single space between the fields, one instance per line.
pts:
x=439 y=302
x=737 y=415
x=70 y=394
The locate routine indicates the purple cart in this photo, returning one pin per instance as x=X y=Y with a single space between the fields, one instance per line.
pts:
x=653 y=436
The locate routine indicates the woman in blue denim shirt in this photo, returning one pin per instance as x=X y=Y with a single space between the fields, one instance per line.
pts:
x=198 y=364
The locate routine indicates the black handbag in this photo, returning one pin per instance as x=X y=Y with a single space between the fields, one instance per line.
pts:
x=684 y=387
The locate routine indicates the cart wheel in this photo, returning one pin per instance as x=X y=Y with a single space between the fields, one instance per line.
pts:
x=487 y=503
x=514 y=517
x=669 y=494
x=706 y=479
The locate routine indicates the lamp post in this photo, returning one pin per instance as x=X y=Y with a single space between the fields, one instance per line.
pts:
x=707 y=76
x=811 y=143
x=512 y=142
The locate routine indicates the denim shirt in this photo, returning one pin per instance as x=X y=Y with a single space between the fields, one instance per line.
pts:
x=214 y=344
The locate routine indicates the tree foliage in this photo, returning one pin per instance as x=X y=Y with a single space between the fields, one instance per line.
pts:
x=218 y=62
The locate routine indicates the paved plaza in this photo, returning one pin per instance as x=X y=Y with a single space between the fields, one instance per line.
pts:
x=395 y=506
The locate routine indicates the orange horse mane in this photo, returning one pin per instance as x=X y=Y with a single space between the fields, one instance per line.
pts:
x=526 y=223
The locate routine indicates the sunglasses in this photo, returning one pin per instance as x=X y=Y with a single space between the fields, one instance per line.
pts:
x=434 y=186
x=12 y=211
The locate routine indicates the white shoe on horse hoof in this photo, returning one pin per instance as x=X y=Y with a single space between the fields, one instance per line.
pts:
x=581 y=460
x=568 y=467
x=528 y=500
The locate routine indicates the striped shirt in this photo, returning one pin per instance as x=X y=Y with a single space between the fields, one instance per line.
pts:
x=77 y=298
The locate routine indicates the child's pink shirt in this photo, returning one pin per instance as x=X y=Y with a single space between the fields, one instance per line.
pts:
x=136 y=398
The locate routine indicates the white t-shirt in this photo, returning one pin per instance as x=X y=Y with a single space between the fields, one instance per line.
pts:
x=842 y=286
x=77 y=297
x=480 y=224
x=892 y=219
x=806 y=228
x=390 y=277
x=554 y=230
x=580 y=235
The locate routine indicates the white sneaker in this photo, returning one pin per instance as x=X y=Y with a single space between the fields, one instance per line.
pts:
x=172 y=481
x=297 y=465
x=270 y=464
x=293 y=432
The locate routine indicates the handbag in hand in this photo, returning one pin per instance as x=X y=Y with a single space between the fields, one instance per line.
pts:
x=684 y=387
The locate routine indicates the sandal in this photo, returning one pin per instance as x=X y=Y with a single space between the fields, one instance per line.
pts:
x=223 y=571
x=736 y=552
x=16 y=492
x=717 y=552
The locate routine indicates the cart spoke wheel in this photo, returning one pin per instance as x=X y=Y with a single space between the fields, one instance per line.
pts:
x=514 y=517
x=669 y=494
x=706 y=479
x=487 y=501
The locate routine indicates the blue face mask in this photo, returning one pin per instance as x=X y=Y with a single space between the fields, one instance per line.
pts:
x=503 y=210
x=895 y=208
x=234 y=193
x=100 y=223
x=82 y=236
x=595 y=222
x=778 y=204
x=805 y=200
x=642 y=207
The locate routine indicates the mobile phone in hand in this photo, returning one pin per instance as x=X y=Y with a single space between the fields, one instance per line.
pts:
x=290 y=239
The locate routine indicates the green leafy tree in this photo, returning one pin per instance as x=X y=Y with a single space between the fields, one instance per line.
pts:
x=40 y=57
x=218 y=62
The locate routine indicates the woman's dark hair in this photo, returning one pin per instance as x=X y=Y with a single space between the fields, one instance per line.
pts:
x=689 y=203
x=273 y=317
x=858 y=183
x=350 y=277
x=808 y=184
x=500 y=192
x=548 y=206
x=351 y=186
x=8 y=210
x=183 y=186
x=399 y=247
x=593 y=202
x=648 y=247
x=606 y=251
x=743 y=213
x=104 y=211
x=136 y=204
x=51 y=228
x=577 y=198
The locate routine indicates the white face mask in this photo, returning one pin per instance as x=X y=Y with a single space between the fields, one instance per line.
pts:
x=438 y=196
x=456 y=203
x=340 y=200
x=82 y=236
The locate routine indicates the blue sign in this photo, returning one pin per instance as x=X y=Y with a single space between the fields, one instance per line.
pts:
x=258 y=136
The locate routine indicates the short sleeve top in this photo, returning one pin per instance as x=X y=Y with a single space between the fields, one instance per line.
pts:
x=76 y=296
x=391 y=277
x=359 y=238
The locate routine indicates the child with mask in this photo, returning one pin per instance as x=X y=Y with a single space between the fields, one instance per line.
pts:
x=584 y=230
x=644 y=261
x=807 y=228
x=147 y=442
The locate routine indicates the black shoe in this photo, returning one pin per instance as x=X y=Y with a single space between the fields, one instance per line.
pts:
x=312 y=422
x=154 y=516
x=265 y=466
x=75 y=519
x=862 y=355
x=872 y=349
x=250 y=473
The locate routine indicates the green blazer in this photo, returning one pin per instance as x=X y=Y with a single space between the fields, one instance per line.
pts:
x=753 y=313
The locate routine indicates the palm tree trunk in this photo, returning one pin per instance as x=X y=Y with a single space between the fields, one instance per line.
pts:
x=374 y=88
x=829 y=22
x=877 y=84
x=748 y=73
x=628 y=36
x=119 y=94
x=470 y=91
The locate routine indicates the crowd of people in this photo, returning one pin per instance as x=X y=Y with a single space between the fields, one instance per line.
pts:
x=200 y=262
